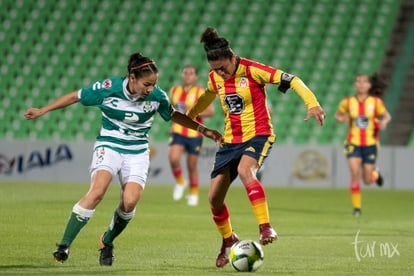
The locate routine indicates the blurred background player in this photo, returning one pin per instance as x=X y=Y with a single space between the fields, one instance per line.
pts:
x=184 y=140
x=248 y=136
x=366 y=114
x=121 y=150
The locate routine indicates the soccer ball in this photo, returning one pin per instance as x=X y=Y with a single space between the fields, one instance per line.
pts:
x=246 y=255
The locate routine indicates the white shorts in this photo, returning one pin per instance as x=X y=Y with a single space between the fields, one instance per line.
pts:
x=128 y=167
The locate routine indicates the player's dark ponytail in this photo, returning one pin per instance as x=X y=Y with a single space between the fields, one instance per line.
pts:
x=215 y=47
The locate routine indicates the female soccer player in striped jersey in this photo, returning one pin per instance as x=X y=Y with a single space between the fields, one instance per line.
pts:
x=366 y=115
x=121 y=150
x=182 y=139
x=248 y=137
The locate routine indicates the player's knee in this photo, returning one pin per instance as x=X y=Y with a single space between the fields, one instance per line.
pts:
x=245 y=174
x=367 y=180
x=129 y=206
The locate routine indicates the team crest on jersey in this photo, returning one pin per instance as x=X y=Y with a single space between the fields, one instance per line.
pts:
x=107 y=84
x=243 y=82
x=147 y=106
x=192 y=98
x=370 y=109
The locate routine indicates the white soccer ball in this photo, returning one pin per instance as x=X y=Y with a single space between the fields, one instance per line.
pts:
x=246 y=255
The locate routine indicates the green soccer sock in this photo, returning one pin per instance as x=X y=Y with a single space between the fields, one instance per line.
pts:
x=119 y=221
x=77 y=220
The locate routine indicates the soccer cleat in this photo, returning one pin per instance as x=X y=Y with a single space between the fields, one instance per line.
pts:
x=179 y=191
x=107 y=253
x=380 y=180
x=356 y=212
x=61 y=253
x=223 y=256
x=267 y=234
x=192 y=200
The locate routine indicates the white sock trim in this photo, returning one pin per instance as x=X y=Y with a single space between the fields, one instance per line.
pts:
x=79 y=210
x=124 y=215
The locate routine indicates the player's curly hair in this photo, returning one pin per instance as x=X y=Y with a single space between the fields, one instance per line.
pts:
x=379 y=85
x=215 y=47
x=140 y=65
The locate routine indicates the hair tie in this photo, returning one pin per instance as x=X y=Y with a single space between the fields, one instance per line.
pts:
x=142 y=65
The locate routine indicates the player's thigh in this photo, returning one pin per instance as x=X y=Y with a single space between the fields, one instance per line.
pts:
x=247 y=169
x=175 y=152
x=354 y=164
x=105 y=164
x=106 y=159
x=135 y=168
x=219 y=186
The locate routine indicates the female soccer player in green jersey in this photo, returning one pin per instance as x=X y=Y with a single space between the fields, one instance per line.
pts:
x=248 y=135
x=121 y=149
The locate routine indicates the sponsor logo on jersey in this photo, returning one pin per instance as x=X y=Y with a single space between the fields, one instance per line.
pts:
x=107 y=84
x=243 y=82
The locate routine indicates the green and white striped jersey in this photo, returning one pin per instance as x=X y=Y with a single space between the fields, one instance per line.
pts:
x=126 y=120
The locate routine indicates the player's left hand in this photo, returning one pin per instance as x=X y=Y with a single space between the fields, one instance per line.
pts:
x=318 y=113
x=33 y=113
x=214 y=135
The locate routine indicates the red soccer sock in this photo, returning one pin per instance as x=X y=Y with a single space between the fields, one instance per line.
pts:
x=222 y=220
x=194 y=186
x=257 y=197
x=178 y=175
x=356 y=194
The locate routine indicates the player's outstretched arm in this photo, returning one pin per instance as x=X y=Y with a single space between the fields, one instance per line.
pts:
x=186 y=121
x=65 y=100
x=341 y=117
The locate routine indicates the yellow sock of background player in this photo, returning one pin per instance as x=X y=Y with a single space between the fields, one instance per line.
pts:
x=356 y=194
x=194 y=186
x=178 y=175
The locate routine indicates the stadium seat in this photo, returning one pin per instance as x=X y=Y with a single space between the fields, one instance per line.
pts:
x=51 y=48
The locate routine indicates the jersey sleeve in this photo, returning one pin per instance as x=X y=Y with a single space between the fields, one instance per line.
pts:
x=95 y=93
x=165 y=108
x=304 y=92
x=380 y=108
x=266 y=74
x=342 y=107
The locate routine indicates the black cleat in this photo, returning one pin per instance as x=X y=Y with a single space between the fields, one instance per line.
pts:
x=357 y=212
x=61 y=253
x=380 y=180
x=107 y=253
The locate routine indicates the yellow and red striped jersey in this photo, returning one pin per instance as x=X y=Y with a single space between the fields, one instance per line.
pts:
x=243 y=99
x=363 y=125
x=183 y=100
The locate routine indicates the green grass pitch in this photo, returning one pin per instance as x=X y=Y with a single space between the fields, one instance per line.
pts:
x=317 y=233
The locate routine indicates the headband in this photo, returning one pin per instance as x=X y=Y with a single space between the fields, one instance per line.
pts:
x=142 y=65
